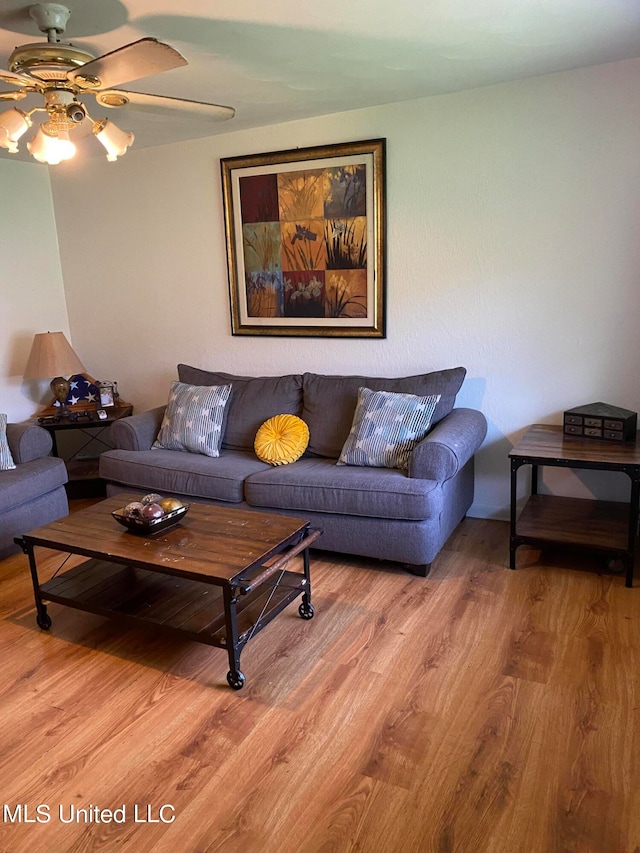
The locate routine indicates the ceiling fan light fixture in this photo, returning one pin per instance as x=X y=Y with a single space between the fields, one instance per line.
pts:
x=50 y=149
x=60 y=73
x=13 y=123
x=115 y=141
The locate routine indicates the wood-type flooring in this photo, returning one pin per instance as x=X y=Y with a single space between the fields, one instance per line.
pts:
x=479 y=710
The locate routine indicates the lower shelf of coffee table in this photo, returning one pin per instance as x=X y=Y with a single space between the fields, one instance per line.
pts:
x=575 y=521
x=191 y=608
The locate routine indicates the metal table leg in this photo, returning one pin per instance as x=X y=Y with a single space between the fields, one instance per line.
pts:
x=235 y=677
x=513 y=541
x=306 y=609
x=43 y=620
x=634 y=504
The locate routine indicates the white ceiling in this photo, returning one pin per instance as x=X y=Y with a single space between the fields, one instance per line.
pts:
x=289 y=59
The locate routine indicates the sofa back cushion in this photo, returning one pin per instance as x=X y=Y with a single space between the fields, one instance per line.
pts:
x=253 y=400
x=330 y=402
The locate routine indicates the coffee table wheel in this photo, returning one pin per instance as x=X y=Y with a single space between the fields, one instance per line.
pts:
x=307 y=611
x=43 y=621
x=236 y=680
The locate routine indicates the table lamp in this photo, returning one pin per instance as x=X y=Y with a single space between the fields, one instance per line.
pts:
x=52 y=355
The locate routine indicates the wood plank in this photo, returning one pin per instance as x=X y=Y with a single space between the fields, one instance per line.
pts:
x=598 y=524
x=210 y=543
x=478 y=709
x=547 y=441
x=179 y=604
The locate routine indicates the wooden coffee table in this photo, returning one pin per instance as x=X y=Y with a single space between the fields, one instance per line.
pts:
x=218 y=577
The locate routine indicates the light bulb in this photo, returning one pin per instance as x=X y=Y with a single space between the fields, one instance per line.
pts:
x=51 y=149
x=65 y=146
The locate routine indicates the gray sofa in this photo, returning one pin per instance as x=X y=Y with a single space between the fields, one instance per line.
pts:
x=391 y=514
x=32 y=493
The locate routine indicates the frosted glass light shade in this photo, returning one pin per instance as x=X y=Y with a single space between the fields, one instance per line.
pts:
x=115 y=141
x=51 y=149
x=13 y=123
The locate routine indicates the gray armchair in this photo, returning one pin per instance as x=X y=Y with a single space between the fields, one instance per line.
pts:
x=33 y=493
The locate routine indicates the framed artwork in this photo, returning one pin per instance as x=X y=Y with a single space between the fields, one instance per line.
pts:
x=305 y=236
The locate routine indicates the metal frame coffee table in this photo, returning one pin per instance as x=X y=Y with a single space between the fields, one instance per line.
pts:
x=219 y=577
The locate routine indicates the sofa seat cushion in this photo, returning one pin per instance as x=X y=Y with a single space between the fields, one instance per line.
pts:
x=172 y=472
x=319 y=485
x=24 y=483
x=330 y=402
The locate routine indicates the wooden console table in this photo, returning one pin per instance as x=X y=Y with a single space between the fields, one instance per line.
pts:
x=604 y=526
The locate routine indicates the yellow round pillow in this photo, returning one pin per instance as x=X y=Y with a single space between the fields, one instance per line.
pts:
x=281 y=439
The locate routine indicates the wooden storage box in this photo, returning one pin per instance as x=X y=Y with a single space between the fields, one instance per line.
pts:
x=601 y=421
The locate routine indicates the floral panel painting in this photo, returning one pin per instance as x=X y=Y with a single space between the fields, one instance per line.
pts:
x=305 y=241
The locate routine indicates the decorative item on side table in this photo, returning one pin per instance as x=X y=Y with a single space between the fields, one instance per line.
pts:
x=305 y=235
x=79 y=409
x=601 y=421
x=88 y=399
x=108 y=393
x=52 y=355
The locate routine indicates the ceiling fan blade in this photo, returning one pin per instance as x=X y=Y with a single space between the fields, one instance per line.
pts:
x=15 y=79
x=18 y=95
x=162 y=104
x=132 y=62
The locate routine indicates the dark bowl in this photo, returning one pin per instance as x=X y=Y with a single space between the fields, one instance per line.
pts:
x=154 y=525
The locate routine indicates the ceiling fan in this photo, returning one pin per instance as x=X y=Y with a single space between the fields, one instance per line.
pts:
x=63 y=74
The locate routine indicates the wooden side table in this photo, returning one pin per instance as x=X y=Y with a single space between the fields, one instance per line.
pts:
x=605 y=526
x=83 y=473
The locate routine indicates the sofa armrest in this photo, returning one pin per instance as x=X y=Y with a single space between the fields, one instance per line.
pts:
x=137 y=432
x=28 y=442
x=449 y=445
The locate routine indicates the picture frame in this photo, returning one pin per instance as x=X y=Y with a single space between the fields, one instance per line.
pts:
x=107 y=393
x=305 y=233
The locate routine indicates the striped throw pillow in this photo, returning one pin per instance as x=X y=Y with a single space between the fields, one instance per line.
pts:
x=6 y=459
x=386 y=427
x=193 y=418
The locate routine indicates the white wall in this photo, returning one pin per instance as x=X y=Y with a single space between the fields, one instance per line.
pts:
x=512 y=250
x=31 y=293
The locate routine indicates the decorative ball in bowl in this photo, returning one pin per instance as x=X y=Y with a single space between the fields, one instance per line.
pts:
x=151 y=514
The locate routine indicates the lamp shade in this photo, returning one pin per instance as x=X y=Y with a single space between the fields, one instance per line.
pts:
x=51 y=355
